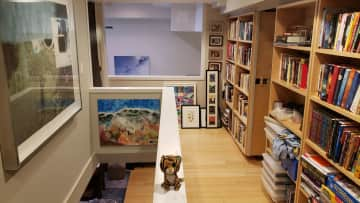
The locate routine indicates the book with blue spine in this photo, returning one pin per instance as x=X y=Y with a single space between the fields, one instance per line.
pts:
x=338 y=84
x=344 y=189
x=342 y=88
x=353 y=89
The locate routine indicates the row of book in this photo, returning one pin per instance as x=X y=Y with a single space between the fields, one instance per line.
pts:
x=226 y=118
x=294 y=70
x=245 y=30
x=238 y=130
x=244 y=55
x=323 y=183
x=232 y=30
x=230 y=72
x=244 y=81
x=338 y=137
x=339 y=85
x=228 y=92
x=231 y=49
x=340 y=31
x=243 y=104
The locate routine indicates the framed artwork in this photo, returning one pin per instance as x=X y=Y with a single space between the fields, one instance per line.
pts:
x=216 y=27
x=215 y=54
x=128 y=121
x=203 y=117
x=214 y=65
x=185 y=94
x=216 y=40
x=39 y=79
x=132 y=65
x=190 y=116
x=212 y=101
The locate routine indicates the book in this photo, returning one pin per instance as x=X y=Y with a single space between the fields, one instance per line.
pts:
x=351 y=41
x=353 y=89
x=333 y=84
x=347 y=87
x=355 y=103
x=338 y=84
x=344 y=189
x=342 y=87
x=324 y=87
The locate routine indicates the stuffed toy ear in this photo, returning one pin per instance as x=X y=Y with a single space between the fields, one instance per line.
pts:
x=178 y=163
x=162 y=166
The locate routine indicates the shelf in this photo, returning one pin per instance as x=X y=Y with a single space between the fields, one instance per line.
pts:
x=243 y=119
x=292 y=47
x=297 y=4
x=337 y=109
x=232 y=40
x=231 y=61
x=245 y=41
x=244 y=92
x=322 y=153
x=243 y=66
x=338 y=53
x=293 y=127
x=289 y=87
x=229 y=104
x=229 y=81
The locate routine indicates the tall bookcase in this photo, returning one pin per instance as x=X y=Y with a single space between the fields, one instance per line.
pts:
x=309 y=13
x=249 y=80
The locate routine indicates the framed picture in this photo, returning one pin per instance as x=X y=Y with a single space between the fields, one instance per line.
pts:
x=203 y=117
x=212 y=100
x=214 y=66
x=215 y=54
x=190 y=116
x=39 y=79
x=216 y=27
x=185 y=94
x=132 y=65
x=216 y=40
x=136 y=121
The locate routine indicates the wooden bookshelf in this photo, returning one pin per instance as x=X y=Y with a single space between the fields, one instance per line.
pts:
x=338 y=53
x=261 y=53
x=296 y=90
x=293 y=127
x=293 y=47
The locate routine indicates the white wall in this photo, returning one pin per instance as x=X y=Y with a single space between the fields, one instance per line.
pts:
x=52 y=172
x=171 y=53
x=116 y=10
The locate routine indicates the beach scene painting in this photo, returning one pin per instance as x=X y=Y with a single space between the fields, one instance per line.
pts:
x=132 y=65
x=128 y=121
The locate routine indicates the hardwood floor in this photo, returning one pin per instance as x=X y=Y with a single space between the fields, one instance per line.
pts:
x=215 y=171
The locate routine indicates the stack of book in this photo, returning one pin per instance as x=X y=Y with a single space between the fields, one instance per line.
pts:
x=231 y=51
x=232 y=30
x=244 y=55
x=243 y=105
x=339 y=85
x=340 y=31
x=245 y=30
x=338 y=137
x=323 y=183
x=226 y=118
x=294 y=70
x=244 y=81
x=230 y=72
x=239 y=130
x=229 y=91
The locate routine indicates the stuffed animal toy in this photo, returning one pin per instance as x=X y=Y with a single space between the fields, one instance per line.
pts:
x=170 y=165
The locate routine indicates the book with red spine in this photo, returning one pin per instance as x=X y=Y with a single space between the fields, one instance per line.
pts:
x=333 y=84
x=304 y=75
x=347 y=88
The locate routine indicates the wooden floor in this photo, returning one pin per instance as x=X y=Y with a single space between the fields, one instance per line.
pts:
x=215 y=171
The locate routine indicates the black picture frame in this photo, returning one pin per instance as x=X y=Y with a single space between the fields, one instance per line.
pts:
x=198 y=124
x=213 y=40
x=212 y=64
x=213 y=106
x=203 y=118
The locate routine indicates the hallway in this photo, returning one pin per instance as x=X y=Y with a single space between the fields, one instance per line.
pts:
x=215 y=171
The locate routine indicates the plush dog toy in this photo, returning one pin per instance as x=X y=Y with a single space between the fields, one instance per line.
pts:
x=170 y=165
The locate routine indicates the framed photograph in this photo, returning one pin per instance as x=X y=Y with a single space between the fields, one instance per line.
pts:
x=214 y=66
x=212 y=100
x=215 y=54
x=216 y=27
x=216 y=40
x=39 y=79
x=185 y=94
x=203 y=117
x=190 y=116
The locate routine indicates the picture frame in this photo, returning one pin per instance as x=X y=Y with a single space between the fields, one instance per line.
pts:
x=215 y=54
x=190 y=116
x=214 y=65
x=48 y=97
x=216 y=40
x=216 y=27
x=212 y=99
x=203 y=117
x=185 y=94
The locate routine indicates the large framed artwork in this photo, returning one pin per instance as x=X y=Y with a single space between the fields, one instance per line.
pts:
x=39 y=79
x=212 y=88
x=185 y=94
x=128 y=121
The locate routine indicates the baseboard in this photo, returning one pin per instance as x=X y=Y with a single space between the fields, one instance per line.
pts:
x=82 y=180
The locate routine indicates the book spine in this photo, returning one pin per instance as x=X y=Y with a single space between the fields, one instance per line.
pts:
x=338 y=189
x=338 y=84
x=342 y=88
x=347 y=88
x=356 y=100
x=353 y=89
x=341 y=34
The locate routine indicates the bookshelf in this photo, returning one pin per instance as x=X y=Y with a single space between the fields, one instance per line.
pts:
x=258 y=30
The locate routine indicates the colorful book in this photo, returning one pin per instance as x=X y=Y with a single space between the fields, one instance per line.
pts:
x=344 y=189
x=342 y=88
x=333 y=84
x=353 y=89
x=347 y=87
x=338 y=84
x=355 y=103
